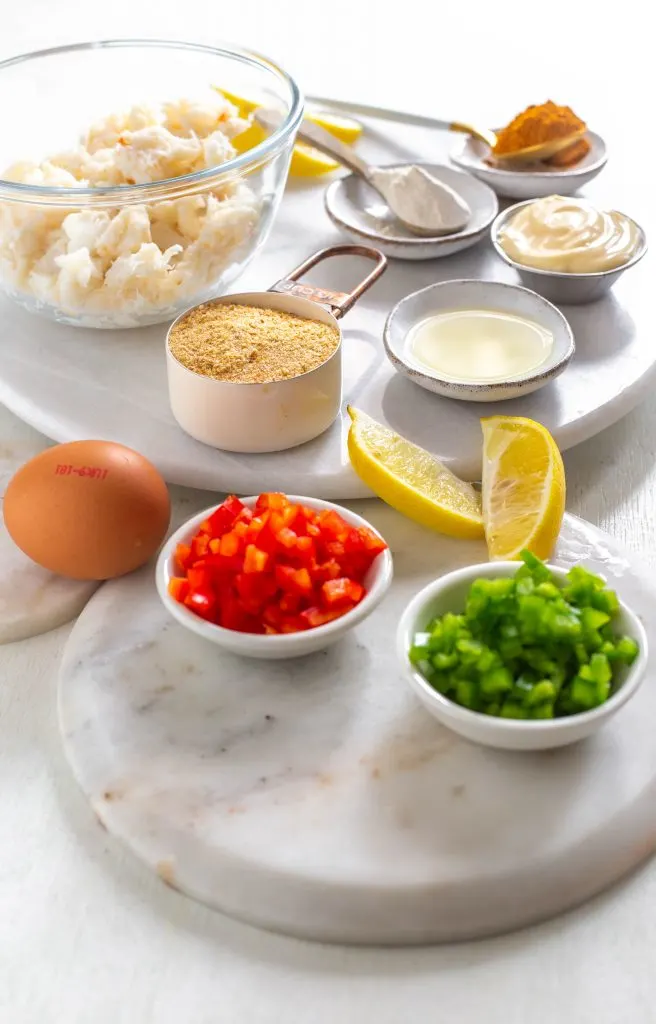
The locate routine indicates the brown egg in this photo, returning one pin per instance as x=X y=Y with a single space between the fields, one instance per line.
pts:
x=90 y=510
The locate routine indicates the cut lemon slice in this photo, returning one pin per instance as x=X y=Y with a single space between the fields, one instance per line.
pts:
x=523 y=487
x=244 y=107
x=344 y=128
x=306 y=161
x=412 y=480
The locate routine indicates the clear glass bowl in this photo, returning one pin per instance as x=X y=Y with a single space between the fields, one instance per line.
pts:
x=63 y=252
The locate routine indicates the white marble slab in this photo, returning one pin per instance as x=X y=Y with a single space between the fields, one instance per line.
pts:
x=72 y=384
x=32 y=600
x=317 y=797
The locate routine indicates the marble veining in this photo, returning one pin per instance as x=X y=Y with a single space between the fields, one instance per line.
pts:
x=318 y=798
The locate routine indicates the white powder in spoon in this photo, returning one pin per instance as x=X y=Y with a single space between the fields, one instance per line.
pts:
x=421 y=201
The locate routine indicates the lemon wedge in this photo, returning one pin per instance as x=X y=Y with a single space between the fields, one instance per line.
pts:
x=244 y=107
x=412 y=480
x=523 y=487
x=344 y=128
x=306 y=161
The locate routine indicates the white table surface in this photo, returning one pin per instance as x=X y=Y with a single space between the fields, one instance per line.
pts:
x=86 y=933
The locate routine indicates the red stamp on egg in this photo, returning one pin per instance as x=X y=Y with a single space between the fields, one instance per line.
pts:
x=94 y=472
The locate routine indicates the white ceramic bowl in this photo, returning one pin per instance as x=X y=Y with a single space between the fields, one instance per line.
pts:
x=472 y=294
x=534 y=181
x=355 y=208
x=565 y=288
x=448 y=594
x=290 y=645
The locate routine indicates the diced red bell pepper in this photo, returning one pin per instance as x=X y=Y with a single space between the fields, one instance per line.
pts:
x=342 y=591
x=202 y=602
x=224 y=516
x=332 y=525
x=260 y=532
x=335 y=549
x=224 y=565
x=182 y=556
x=277 y=569
x=329 y=570
x=255 y=560
x=271 y=501
x=305 y=547
x=273 y=615
x=321 y=616
x=230 y=544
x=178 y=588
x=293 y=624
x=290 y=603
x=240 y=529
x=287 y=538
x=234 y=616
x=199 y=577
x=200 y=546
x=255 y=588
x=294 y=581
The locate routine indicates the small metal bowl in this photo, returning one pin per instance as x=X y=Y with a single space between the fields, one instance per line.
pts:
x=569 y=289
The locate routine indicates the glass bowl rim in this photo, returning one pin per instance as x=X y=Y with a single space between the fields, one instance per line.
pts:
x=124 y=194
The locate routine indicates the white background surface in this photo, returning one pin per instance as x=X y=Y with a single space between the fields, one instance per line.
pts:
x=86 y=934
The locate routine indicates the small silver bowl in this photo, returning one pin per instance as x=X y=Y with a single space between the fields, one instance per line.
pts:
x=568 y=289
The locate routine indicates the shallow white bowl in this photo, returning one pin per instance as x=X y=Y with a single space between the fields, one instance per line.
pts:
x=534 y=181
x=290 y=645
x=472 y=294
x=357 y=209
x=448 y=595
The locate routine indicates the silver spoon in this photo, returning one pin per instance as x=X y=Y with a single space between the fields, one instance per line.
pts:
x=528 y=155
x=418 y=200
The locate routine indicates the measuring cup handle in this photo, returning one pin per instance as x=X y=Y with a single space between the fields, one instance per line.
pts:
x=338 y=303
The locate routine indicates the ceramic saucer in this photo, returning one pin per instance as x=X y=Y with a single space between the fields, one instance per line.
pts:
x=470 y=294
x=355 y=208
x=534 y=181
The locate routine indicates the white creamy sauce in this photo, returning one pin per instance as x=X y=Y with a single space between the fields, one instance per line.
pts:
x=479 y=345
x=569 y=236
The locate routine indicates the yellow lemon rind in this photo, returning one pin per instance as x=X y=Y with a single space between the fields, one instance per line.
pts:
x=541 y=541
x=405 y=498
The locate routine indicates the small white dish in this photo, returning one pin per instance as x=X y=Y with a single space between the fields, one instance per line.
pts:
x=472 y=294
x=535 y=180
x=448 y=594
x=355 y=208
x=290 y=645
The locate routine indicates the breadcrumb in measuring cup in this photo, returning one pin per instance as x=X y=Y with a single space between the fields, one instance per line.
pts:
x=111 y=267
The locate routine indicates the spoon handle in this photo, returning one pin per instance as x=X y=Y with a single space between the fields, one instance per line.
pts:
x=322 y=140
x=399 y=117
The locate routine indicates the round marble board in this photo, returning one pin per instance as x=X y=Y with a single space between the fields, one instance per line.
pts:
x=32 y=600
x=72 y=384
x=317 y=797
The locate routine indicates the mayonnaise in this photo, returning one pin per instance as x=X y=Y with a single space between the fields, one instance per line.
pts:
x=569 y=236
